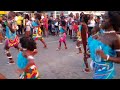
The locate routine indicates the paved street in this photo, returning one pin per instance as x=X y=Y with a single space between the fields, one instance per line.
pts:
x=52 y=64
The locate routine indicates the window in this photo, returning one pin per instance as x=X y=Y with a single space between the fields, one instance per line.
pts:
x=59 y=12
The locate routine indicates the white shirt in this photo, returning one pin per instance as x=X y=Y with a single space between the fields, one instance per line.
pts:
x=92 y=23
x=42 y=17
x=28 y=25
x=16 y=18
x=56 y=24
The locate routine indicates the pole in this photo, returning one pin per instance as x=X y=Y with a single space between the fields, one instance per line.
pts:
x=55 y=14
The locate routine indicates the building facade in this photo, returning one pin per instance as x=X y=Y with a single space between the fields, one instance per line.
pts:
x=66 y=13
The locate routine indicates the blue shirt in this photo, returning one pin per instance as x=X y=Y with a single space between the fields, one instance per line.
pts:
x=9 y=34
x=34 y=24
x=62 y=30
x=80 y=27
x=21 y=61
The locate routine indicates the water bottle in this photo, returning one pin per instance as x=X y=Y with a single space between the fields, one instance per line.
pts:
x=97 y=57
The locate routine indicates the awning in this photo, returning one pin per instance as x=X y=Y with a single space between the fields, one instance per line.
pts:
x=3 y=12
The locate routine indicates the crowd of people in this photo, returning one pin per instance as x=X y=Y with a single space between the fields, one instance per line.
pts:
x=99 y=36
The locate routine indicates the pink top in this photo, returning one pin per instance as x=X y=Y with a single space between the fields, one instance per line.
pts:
x=45 y=23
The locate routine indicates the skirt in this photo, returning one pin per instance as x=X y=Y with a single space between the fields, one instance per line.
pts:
x=12 y=43
x=30 y=73
x=62 y=37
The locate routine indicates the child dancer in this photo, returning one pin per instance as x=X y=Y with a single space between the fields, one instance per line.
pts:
x=37 y=32
x=75 y=29
x=1 y=32
x=12 y=39
x=62 y=36
x=25 y=61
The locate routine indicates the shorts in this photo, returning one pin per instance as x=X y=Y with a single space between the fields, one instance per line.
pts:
x=38 y=38
x=62 y=37
x=31 y=73
x=12 y=43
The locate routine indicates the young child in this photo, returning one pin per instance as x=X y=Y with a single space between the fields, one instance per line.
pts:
x=25 y=60
x=1 y=33
x=62 y=35
x=79 y=39
x=37 y=32
x=75 y=29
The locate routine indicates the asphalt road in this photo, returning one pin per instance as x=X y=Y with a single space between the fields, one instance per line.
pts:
x=52 y=64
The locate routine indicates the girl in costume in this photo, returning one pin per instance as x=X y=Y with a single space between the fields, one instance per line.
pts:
x=25 y=60
x=37 y=32
x=62 y=35
x=1 y=33
x=105 y=49
x=75 y=29
x=12 y=39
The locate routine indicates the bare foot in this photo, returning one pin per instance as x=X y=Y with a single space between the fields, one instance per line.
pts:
x=57 y=49
x=65 y=47
x=45 y=47
x=79 y=52
x=11 y=62
x=86 y=70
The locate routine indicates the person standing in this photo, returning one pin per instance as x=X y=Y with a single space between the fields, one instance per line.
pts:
x=84 y=36
x=19 y=23
x=1 y=32
x=91 y=24
x=27 y=26
x=105 y=49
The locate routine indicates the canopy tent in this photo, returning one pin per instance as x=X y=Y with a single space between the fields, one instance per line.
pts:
x=3 y=12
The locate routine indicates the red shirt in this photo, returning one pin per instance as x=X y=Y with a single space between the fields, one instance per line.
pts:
x=75 y=28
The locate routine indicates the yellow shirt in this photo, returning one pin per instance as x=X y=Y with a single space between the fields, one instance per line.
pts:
x=19 y=20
